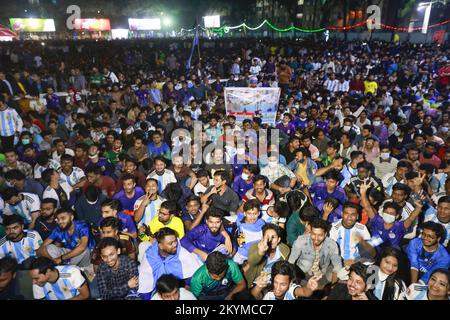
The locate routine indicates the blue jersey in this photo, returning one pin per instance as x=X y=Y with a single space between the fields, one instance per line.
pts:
x=426 y=262
x=72 y=241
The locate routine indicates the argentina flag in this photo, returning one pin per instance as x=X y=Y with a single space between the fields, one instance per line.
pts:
x=182 y=264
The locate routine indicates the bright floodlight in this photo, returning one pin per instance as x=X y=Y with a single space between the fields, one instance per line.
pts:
x=212 y=21
x=167 y=21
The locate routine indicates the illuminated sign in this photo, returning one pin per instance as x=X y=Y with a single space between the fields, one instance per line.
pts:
x=144 y=24
x=92 y=24
x=212 y=21
x=32 y=25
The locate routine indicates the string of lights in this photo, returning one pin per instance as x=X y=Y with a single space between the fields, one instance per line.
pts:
x=227 y=29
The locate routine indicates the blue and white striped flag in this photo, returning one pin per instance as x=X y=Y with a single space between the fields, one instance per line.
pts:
x=195 y=42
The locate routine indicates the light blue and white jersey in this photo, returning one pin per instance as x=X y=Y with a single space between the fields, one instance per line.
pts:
x=38 y=169
x=431 y=215
x=416 y=291
x=10 y=122
x=347 y=239
x=164 y=179
x=66 y=287
x=23 y=249
x=29 y=204
x=73 y=178
x=288 y=296
x=150 y=211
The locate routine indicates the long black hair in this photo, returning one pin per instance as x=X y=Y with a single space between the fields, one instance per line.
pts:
x=393 y=279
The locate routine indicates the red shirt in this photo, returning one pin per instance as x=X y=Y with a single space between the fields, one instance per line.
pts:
x=444 y=80
x=107 y=185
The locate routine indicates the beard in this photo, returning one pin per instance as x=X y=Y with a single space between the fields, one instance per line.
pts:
x=67 y=227
x=13 y=237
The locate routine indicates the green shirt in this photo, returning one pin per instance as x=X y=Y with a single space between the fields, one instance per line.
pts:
x=112 y=156
x=203 y=284
x=294 y=228
x=97 y=79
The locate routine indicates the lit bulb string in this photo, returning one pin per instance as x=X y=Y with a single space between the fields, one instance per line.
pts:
x=226 y=29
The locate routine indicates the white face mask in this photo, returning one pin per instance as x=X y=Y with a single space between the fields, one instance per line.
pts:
x=347 y=128
x=388 y=218
x=385 y=155
x=244 y=176
x=376 y=123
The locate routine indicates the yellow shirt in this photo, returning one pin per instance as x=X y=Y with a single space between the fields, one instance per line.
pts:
x=301 y=172
x=370 y=86
x=174 y=224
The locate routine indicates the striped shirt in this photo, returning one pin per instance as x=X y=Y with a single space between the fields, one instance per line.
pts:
x=289 y=295
x=331 y=85
x=69 y=281
x=389 y=181
x=30 y=203
x=150 y=211
x=416 y=291
x=38 y=169
x=10 y=122
x=347 y=239
x=23 y=249
x=73 y=178
x=163 y=179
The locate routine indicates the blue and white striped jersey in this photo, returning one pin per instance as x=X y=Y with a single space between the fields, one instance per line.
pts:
x=289 y=295
x=164 y=179
x=347 y=239
x=150 y=211
x=10 y=122
x=73 y=178
x=23 y=249
x=29 y=204
x=66 y=287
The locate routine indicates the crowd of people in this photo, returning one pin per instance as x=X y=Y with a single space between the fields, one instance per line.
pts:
x=350 y=202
